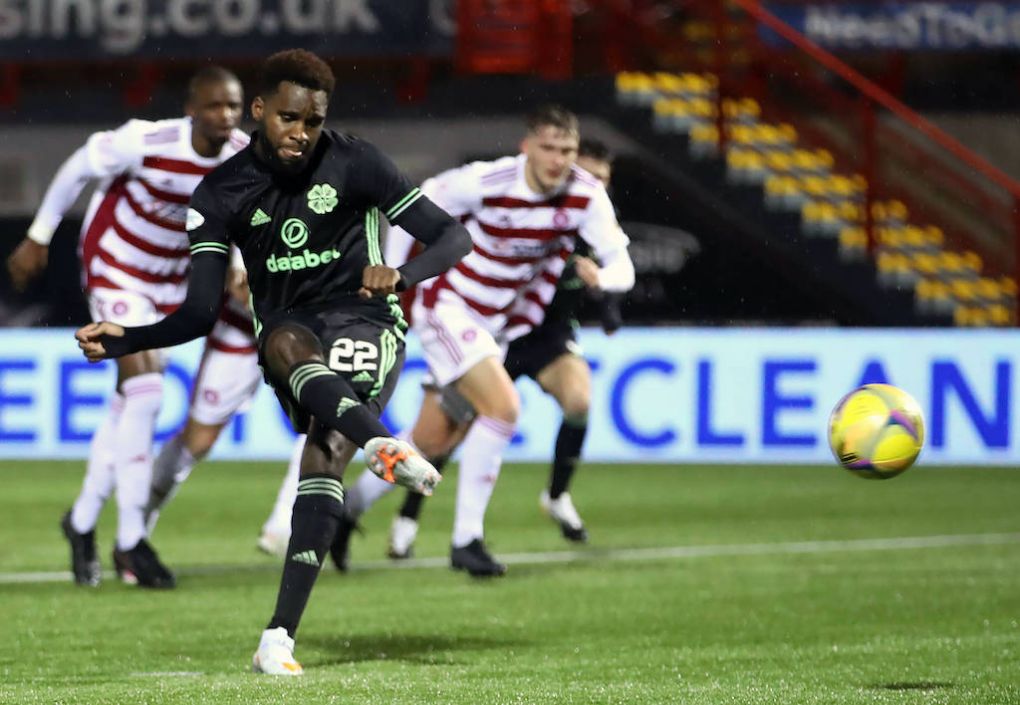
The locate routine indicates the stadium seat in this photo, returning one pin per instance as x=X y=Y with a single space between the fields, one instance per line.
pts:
x=797 y=177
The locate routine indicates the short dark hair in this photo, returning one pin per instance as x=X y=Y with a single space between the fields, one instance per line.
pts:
x=210 y=74
x=552 y=116
x=296 y=66
x=594 y=149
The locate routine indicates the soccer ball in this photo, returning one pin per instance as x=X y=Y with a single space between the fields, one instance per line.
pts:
x=876 y=431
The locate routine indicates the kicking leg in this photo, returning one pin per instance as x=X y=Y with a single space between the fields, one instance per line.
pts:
x=295 y=357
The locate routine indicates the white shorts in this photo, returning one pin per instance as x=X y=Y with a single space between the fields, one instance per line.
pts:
x=125 y=308
x=454 y=339
x=225 y=385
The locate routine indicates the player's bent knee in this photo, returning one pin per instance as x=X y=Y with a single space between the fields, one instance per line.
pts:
x=288 y=345
x=501 y=405
x=576 y=406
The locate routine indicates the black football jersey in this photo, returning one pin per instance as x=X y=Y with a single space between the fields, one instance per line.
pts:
x=305 y=238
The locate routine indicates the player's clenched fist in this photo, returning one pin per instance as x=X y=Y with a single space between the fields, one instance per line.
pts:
x=89 y=336
x=26 y=263
x=378 y=280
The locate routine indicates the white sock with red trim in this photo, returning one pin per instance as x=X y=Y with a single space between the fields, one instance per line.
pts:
x=99 y=471
x=481 y=457
x=143 y=396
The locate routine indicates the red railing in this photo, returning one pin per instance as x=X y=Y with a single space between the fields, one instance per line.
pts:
x=902 y=155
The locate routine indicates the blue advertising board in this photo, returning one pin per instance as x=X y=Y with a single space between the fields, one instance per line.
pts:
x=189 y=29
x=904 y=25
x=671 y=395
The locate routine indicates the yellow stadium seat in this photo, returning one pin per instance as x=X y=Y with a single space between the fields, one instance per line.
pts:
x=1008 y=286
x=668 y=84
x=924 y=264
x=932 y=295
x=933 y=236
x=704 y=140
x=744 y=110
x=972 y=262
x=777 y=160
x=745 y=166
x=999 y=315
x=891 y=238
x=988 y=289
x=853 y=238
x=635 y=88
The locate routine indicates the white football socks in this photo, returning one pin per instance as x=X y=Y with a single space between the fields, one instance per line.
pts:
x=279 y=519
x=143 y=396
x=99 y=471
x=171 y=468
x=481 y=457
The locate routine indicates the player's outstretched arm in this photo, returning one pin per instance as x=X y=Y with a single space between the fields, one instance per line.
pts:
x=194 y=319
x=30 y=258
x=446 y=241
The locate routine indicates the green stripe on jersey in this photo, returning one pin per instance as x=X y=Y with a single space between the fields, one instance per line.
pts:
x=403 y=204
x=372 y=236
x=254 y=318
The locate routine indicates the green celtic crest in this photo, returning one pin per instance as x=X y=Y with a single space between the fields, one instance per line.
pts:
x=322 y=198
x=294 y=233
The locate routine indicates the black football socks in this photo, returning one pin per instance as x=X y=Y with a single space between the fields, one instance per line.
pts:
x=317 y=511
x=568 y=451
x=332 y=401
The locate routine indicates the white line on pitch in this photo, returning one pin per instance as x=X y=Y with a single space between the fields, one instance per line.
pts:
x=899 y=543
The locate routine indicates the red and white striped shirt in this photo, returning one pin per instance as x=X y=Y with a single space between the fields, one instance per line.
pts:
x=522 y=240
x=133 y=236
x=234 y=331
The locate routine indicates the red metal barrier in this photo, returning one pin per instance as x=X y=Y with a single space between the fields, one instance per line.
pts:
x=902 y=155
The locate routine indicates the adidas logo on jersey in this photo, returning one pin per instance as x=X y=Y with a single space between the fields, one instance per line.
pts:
x=259 y=218
x=362 y=377
x=306 y=260
x=307 y=557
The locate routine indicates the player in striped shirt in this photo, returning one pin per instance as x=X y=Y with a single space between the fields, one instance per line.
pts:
x=135 y=259
x=525 y=215
x=227 y=380
x=551 y=355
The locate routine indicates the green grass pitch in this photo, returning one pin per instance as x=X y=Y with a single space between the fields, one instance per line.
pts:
x=771 y=606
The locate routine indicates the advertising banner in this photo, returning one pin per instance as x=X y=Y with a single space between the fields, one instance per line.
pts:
x=670 y=395
x=904 y=25
x=213 y=29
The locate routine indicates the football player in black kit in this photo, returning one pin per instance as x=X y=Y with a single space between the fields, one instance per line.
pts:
x=303 y=205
